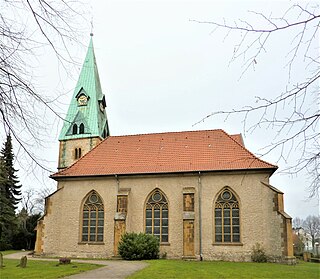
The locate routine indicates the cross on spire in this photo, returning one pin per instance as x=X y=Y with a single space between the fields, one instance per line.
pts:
x=91 y=22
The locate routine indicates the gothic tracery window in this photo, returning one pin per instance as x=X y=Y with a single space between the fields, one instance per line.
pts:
x=92 y=219
x=157 y=215
x=227 y=217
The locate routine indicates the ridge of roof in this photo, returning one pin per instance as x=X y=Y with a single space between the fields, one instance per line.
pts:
x=170 y=132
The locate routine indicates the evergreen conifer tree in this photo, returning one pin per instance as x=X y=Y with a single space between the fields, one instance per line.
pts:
x=7 y=214
x=9 y=195
x=11 y=181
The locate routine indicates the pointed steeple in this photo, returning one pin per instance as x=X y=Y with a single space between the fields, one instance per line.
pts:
x=86 y=123
x=86 y=115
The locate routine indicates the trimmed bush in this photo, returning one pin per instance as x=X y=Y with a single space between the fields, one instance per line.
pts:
x=140 y=246
x=258 y=254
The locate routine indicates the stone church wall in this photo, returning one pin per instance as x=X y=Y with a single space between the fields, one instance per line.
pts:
x=260 y=221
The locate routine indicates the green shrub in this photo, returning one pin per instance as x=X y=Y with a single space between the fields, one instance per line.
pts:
x=258 y=254
x=4 y=245
x=140 y=246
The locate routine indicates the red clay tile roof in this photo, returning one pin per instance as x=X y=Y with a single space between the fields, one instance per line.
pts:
x=238 y=138
x=210 y=150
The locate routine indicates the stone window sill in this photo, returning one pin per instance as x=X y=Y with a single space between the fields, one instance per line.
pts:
x=227 y=244
x=91 y=243
x=164 y=244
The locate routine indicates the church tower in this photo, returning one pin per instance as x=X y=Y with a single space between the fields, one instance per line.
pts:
x=86 y=123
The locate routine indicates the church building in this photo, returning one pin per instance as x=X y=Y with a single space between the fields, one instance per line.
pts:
x=201 y=192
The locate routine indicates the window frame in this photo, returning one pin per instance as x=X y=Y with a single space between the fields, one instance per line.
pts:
x=98 y=221
x=163 y=206
x=231 y=204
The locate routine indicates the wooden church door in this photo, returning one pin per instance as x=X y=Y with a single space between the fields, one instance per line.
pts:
x=188 y=238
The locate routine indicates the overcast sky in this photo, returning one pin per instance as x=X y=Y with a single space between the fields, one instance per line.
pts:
x=161 y=72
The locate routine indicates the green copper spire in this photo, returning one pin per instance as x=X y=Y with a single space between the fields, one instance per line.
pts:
x=86 y=115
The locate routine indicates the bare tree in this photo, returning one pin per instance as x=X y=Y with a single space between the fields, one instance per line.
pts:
x=312 y=226
x=42 y=193
x=27 y=201
x=297 y=223
x=33 y=200
x=295 y=120
x=27 y=29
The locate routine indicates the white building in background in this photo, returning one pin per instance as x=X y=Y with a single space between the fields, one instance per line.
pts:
x=306 y=238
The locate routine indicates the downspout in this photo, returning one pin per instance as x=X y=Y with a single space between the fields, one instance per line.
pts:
x=118 y=182
x=200 y=216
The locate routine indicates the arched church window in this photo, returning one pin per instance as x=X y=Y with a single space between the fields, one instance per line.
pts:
x=156 y=221
x=75 y=129
x=92 y=225
x=227 y=217
x=81 y=128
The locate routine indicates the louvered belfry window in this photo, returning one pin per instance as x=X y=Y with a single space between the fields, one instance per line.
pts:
x=75 y=129
x=227 y=217
x=157 y=216
x=92 y=219
x=81 y=128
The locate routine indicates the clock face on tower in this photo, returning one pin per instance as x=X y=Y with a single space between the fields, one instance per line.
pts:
x=82 y=100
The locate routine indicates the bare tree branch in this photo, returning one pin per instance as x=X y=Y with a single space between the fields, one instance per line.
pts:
x=296 y=122
x=26 y=27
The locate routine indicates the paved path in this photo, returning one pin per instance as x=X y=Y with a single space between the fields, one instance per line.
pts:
x=113 y=269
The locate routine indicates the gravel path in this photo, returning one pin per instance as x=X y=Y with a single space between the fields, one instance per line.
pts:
x=116 y=269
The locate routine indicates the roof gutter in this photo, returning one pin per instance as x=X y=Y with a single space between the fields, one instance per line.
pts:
x=57 y=177
x=118 y=182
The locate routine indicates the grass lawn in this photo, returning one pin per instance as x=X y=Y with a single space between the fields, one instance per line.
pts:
x=42 y=269
x=7 y=252
x=190 y=269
